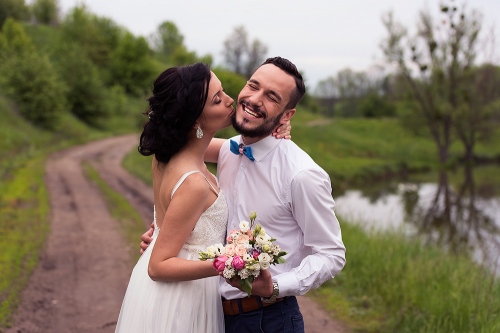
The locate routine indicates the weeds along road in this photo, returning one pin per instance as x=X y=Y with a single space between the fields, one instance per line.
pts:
x=83 y=273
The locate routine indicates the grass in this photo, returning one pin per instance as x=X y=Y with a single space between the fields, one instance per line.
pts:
x=394 y=284
x=24 y=226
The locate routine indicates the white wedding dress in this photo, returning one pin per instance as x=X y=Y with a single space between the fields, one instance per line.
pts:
x=178 y=307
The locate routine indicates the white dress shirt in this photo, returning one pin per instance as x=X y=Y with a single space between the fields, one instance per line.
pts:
x=292 y=197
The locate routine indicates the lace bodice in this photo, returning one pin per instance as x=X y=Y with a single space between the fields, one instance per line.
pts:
x=211 y=226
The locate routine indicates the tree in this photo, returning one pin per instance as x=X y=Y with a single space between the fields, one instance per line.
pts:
x=341 y=93
x=477 y=116
x=182 y=56
x=15 y=9
x=85 y=89
x=13 y=40
x=167 y=39
x=131 y=65
x=29 y=78
x=437 y=64
x=97 y=36
x=46 y=11
x=240 y=56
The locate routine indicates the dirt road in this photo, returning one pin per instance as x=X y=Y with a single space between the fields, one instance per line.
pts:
x=83 y=273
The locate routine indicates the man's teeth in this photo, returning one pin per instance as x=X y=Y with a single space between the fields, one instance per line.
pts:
x=251 y=113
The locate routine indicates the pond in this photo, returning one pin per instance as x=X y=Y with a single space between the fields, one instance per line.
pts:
x=459 y=210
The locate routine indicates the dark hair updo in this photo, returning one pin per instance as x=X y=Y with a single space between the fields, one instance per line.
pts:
x=178 y=99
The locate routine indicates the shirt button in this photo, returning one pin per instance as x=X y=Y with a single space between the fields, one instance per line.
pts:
x=243 y=166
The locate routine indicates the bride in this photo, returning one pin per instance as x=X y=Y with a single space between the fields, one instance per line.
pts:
x=170 y=290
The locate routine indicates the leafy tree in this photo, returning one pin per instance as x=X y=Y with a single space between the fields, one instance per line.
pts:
x=341 y=94
x=132 y=66
x=437 y=64
x=15 y=9
x=182 y=56
x=13 y=40
x=85 y=88
x=46 y=11
x=240 y=55
x=29 y=78
x=98 y=36
x=477 y=117
x=167 y=39
x=33 y=84
x=373 y=105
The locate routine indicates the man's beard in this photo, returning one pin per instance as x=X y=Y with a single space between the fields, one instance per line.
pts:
x=264 y=129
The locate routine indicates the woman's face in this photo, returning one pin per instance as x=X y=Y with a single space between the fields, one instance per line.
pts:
x=218 y=108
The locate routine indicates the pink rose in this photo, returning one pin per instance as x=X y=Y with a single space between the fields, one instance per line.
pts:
x=240 y=250
x=243 y=239
x=230 y=249
x=238 y=263
x=220 y=263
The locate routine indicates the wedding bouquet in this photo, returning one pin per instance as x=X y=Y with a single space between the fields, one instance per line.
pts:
x=246 y=253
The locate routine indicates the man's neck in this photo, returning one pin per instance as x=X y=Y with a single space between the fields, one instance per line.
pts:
x=250 y=140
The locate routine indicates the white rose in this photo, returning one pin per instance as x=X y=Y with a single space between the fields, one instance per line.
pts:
x=244 y=226
x=262 y=239
x=264 y=260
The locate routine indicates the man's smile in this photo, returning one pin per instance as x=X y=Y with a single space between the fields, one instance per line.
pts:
x=251 y=112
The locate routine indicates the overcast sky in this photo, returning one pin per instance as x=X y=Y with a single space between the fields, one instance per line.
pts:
x=320 y=36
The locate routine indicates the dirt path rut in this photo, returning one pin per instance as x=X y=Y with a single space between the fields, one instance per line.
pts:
x=83 y=272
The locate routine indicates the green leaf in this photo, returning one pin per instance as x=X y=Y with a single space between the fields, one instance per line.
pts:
x=246 y=285
x=280 y=260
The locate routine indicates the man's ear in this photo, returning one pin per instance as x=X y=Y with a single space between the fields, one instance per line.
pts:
x=287 y=115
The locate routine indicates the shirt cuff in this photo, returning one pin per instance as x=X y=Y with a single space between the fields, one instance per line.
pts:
x=288 y=284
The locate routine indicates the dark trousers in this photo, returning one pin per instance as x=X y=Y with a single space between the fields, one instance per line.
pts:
x=282 y=317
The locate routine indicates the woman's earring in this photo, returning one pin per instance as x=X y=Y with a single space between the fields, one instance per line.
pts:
x=199 y=133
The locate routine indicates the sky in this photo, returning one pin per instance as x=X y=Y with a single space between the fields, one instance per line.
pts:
x=321 y=37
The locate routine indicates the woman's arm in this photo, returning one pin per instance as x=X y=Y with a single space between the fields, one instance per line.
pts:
x=190 y=200
x=212 y=153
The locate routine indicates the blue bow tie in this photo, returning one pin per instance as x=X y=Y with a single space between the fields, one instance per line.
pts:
x=239 y=149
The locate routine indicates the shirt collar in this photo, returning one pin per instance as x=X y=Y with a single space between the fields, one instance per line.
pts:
x=262 y=147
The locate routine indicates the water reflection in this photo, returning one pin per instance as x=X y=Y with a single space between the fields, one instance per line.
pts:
x=458 y=217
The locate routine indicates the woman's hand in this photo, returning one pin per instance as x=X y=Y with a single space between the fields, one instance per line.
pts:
x=283 y=131
x=146 y=238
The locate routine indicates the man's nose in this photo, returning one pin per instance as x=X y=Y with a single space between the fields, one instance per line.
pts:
x=256 y=98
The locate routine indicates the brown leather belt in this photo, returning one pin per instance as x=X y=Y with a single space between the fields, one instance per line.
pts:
x=236 y=306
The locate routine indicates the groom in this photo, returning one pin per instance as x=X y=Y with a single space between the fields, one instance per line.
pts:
x=292 y=197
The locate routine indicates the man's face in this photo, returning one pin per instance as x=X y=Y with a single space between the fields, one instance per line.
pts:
x=261 y=102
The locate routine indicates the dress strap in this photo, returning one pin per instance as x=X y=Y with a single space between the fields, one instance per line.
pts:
x=184 y=176
x=154 y=217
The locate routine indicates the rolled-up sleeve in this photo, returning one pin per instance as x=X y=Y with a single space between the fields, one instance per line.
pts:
x=312 y=206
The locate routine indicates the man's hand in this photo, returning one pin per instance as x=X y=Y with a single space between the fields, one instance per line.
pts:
x=261 y=286
x=147 y=238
